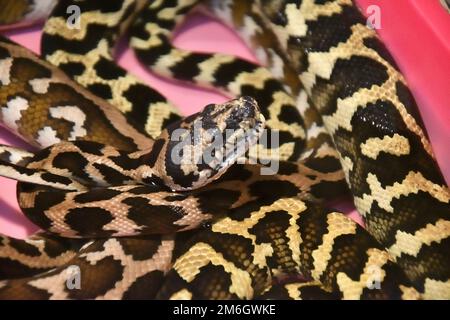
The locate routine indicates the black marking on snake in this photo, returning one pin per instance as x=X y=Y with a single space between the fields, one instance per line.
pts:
x=233 y=247
x=357 y=73
x=389 y=288
x=308 y=292
x=323 y=1
x=96 y=194
x=161 y=218
x=88 y=107
x=223 y=199
x=141 y=248
x=358 y=174
x=152 y=15
x=176 y=197
x=34 y=70
x=19 y=169
x=437 y=253
x=24 y=187
x=283 y=137
x=24 y=248
x=5 y=156
x=264 y=96
x=73 y=68
x=113 y=176
x=155 y=153
x=55 y=245
x=322 y=87
x=278 y=189
x=90 y=147
x=316 y=293
x=325 y=164
x=72 y=161
x=208 y=123
x=111 y=7
x=30 y=292
x=228 y=72
x=4 y=53
x=12 y=269
x=108 y=71
x=175 y=283
x=348 y=77
x=189 y=67
x=212 y=282
x=97 y=217
x=244 y=211
x=154 y=181
x=406 y=98
x=271 y=229
x=312 y=224
x=90 y=288
x=140 y=96
x=279 y=18
x=150 y=56
x=348 y=261
x=325 y=189
x=126 y=162
x=383 y=227
x=287 y=168
x=175 y=171
x=329 y=31
x=101 y=90
x=144 y=189
x=375 y=44
x=55 y=178
x=235 y=172
x=288 y=114
x=43 y=199
x=380 y=119
x=54 y=43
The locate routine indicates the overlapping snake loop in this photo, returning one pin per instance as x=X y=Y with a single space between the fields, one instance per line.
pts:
x=112 y=202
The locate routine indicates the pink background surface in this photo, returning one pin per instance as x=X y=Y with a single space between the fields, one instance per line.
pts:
x=413 y=30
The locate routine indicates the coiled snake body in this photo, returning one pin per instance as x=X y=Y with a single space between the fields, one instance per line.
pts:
x=329 y=82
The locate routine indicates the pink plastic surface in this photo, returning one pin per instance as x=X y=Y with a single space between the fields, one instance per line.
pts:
x=413 y=30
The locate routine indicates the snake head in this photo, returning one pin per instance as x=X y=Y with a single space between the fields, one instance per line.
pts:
x=200 y=148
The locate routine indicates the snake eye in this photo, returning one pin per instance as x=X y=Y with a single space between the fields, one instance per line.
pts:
x=207 y=224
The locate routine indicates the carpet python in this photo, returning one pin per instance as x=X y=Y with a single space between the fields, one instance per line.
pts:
x=329 y=89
